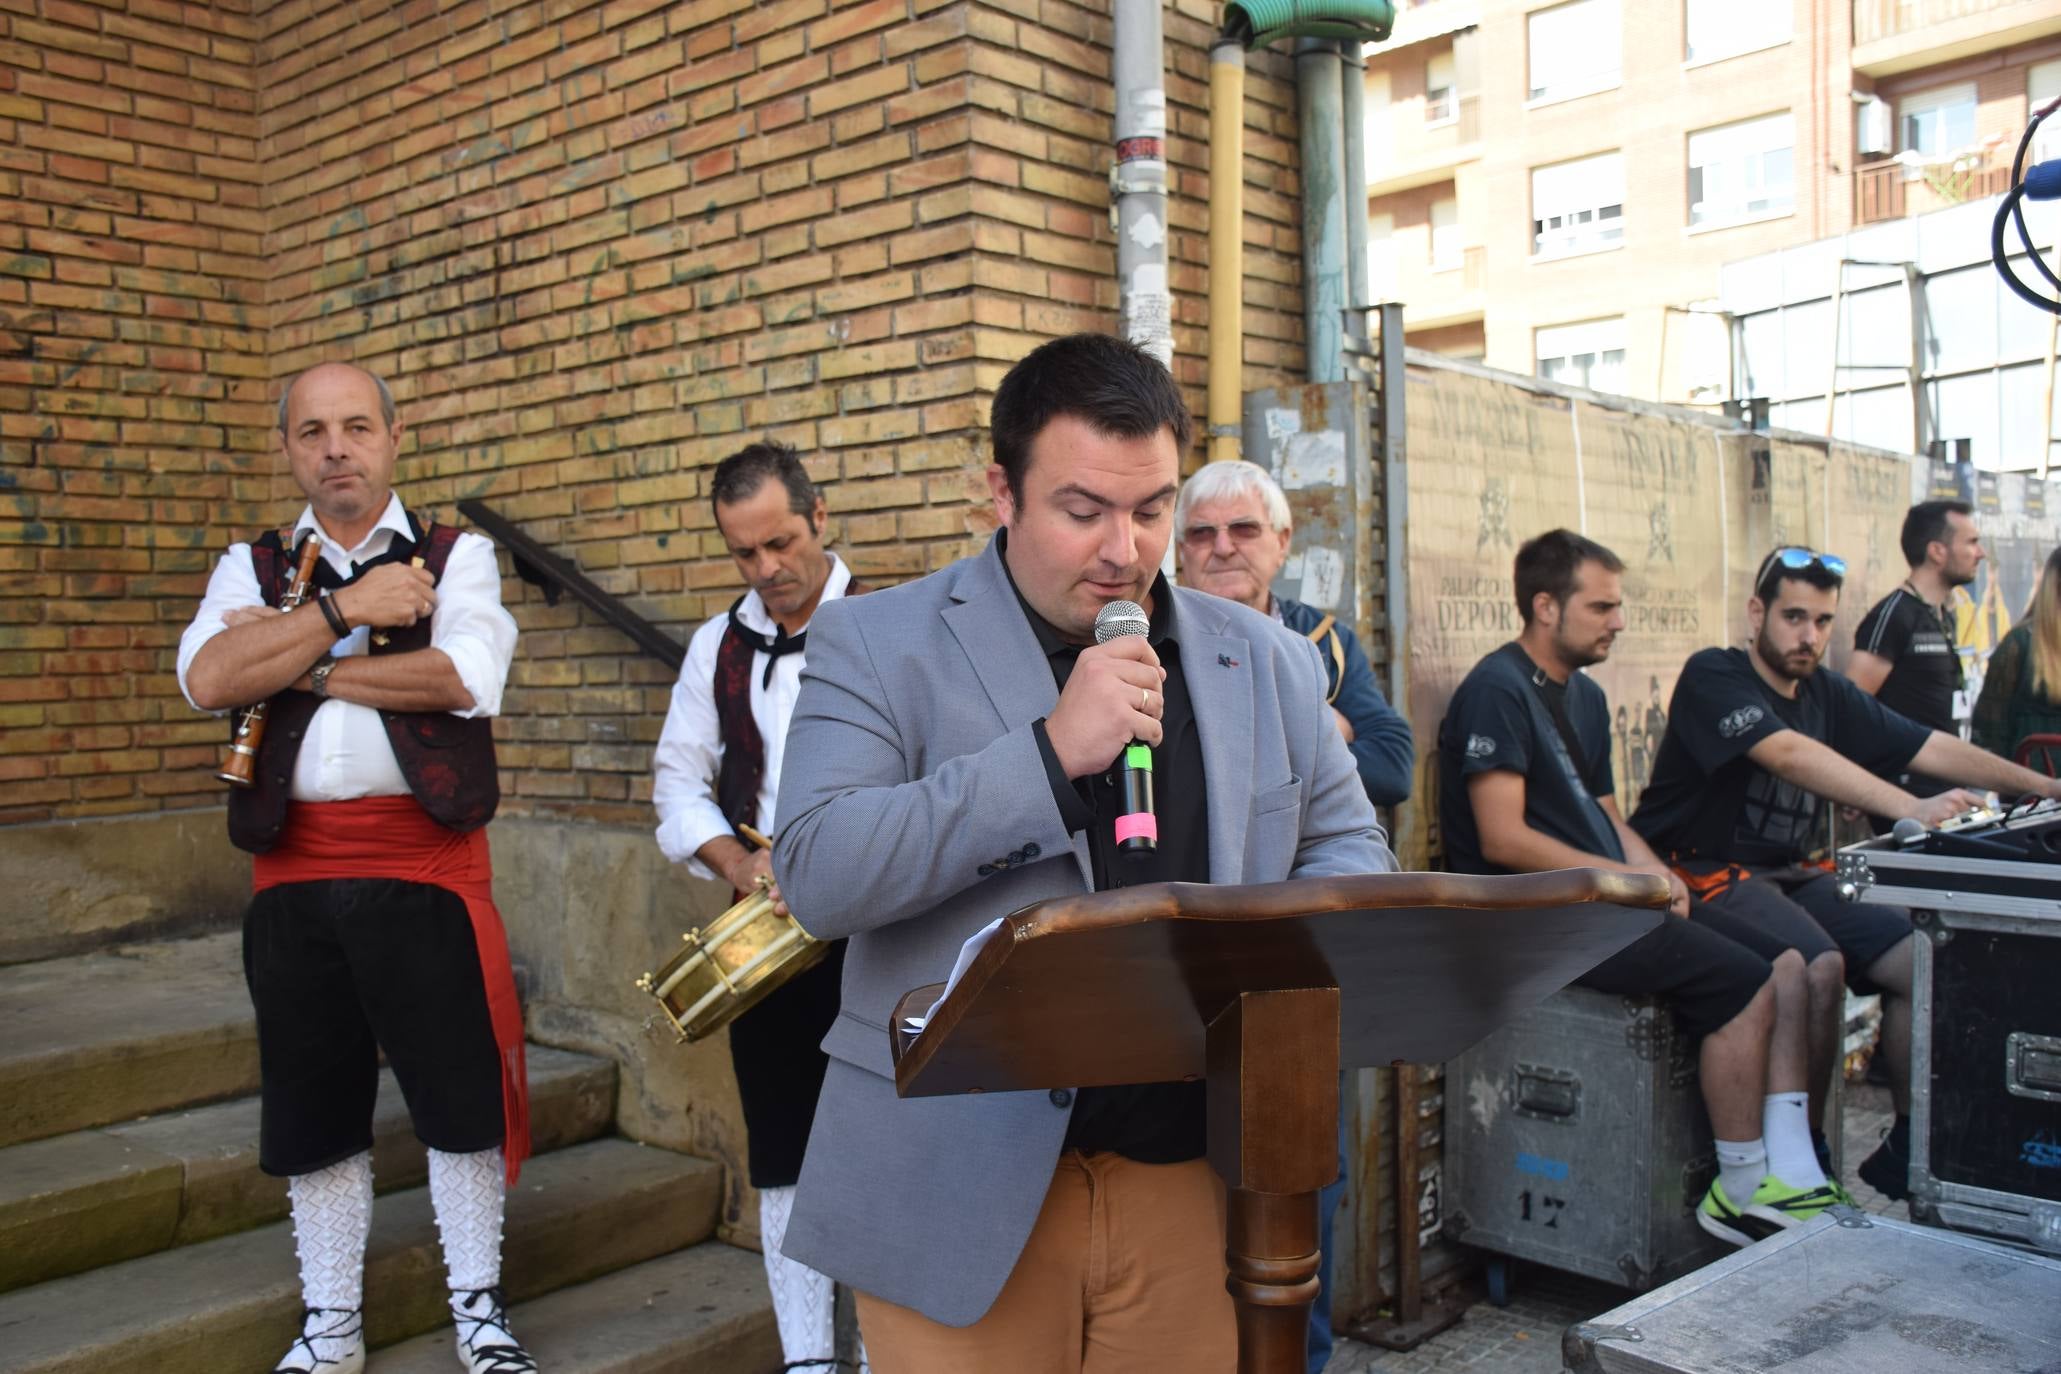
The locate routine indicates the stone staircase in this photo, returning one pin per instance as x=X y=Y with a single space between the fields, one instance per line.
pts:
x=137 y=1235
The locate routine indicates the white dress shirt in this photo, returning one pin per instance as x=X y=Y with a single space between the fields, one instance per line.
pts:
x=346 y=753
x=690 y=750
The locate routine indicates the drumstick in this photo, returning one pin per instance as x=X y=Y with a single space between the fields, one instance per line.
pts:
x=750 y=834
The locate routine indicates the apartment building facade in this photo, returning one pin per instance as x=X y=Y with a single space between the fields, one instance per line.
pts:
x=1553 y=185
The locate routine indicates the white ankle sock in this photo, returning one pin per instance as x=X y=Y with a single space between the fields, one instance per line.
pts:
x=469 y=1194
x=804 y=1301
x=328 y=1339
x=1740 y=1166
x=332 y=1216
x=1785 y=1126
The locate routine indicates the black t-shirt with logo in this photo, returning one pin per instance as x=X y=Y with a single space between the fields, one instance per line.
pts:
x=1499 y=720
x=1925 y=670
x=1707 y=800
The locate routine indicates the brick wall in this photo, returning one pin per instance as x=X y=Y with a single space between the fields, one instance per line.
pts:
x=133 y=376
x=595 y=246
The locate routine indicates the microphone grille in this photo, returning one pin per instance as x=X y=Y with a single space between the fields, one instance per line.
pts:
x=1120 y=618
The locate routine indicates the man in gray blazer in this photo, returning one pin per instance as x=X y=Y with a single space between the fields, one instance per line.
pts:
x=949 y=761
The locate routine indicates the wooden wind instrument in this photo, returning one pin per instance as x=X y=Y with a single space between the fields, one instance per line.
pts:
x=240 y=764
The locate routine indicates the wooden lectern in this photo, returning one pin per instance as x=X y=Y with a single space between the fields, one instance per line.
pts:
x=1266 y=991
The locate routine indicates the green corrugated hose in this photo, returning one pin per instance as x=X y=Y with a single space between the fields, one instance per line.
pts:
x=1263 y=21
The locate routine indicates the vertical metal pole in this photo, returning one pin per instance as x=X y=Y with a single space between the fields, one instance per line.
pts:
x=1319 y=101
x=1138 y=180
x=1226 y=246
x=1912 y=286
x=1352 y=70
x=2047 y=408
x=1832 y=367
x=1395 y=503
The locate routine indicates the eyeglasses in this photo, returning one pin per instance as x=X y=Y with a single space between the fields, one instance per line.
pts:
x=1797 y=559
x=1241 y=531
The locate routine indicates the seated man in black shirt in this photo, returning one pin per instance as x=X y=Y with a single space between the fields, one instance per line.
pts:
x=1525 y=784
x=1756 y=740
x=1904 y=653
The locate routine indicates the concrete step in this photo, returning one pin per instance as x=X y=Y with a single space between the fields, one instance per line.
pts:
x=703 y=1310
x=110 y=1036
x=72 y=1202
x=233 y=1303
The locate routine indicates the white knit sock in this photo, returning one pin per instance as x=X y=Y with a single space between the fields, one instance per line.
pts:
x=469 y=1194
x=1741 y=1163
x=1785 y=1125
x=332 y=1216
x=803 y=1300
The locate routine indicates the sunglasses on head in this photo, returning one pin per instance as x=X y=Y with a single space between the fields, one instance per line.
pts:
x=1797 y=559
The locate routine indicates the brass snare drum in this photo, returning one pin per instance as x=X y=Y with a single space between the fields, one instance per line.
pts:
x=731 y=965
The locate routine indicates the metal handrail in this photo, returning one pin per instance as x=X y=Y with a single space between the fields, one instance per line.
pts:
x=538 y=565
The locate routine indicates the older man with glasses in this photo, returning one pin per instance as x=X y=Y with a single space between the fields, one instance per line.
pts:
x=1757 y=739
x=1235 y=530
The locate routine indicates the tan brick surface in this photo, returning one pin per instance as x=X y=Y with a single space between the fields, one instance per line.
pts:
x=595 y=246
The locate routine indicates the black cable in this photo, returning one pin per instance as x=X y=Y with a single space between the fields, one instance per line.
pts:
x=2018 y=204
x=2013 y=211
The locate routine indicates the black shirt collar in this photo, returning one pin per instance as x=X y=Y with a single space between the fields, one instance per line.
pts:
x=1161 y=631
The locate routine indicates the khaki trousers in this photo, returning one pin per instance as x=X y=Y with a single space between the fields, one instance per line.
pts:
x=1123 y=1274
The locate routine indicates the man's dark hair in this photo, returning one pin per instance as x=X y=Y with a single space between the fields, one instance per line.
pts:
x=1774 y=572
x=1549 y=564
x=1926 y=522
x=739 y=477
x=1114 y=386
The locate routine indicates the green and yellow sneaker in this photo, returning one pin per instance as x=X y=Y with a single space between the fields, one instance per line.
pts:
x=1773 y=1208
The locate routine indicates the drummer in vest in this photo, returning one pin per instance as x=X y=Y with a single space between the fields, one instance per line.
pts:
x=373 y=925
x=717 y=775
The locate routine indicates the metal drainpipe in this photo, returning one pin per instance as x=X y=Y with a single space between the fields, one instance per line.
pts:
x=1353 y=80
x=1319 y=111
x=1226 y=246
x=1138 y=180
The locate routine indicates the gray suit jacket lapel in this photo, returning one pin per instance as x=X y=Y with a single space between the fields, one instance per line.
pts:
x=1218 y=670
x=988 y=623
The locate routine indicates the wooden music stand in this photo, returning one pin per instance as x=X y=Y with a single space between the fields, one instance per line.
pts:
x=1265 y=991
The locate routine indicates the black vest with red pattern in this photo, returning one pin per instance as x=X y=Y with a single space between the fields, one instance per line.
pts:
x=743 y=770
x=448 y=761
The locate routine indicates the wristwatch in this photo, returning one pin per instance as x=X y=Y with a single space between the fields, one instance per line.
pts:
x=318 y=676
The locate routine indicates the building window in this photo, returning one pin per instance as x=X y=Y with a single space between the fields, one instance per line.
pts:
x=2043 y=83
x=1589 y=354
x=1575 y=49
x=1742 y=171
x=1937 y=123
x=1441 y=100
x=1381 y=274
x=1446 y=253
x=1725 y=28
x=1577 y=207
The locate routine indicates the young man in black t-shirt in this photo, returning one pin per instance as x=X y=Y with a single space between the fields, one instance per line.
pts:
x=1904 y=653
x=1525 y=785
x=1757 y=739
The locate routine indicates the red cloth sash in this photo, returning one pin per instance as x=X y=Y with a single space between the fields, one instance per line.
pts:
x=393 y=837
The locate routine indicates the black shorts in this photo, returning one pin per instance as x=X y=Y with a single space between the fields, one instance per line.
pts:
x=1802 y=910
x=1706 y=975
x=342 y=969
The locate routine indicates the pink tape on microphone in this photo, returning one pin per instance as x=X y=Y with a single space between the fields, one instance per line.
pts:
x=1137 y=823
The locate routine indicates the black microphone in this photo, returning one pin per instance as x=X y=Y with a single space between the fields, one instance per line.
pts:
x=1137 y=830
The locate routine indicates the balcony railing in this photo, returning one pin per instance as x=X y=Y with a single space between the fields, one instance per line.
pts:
x=1911 y=185
x=1873 y=19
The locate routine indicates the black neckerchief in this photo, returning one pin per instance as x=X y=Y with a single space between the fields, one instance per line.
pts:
x=781 y=642
x=400 y=550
